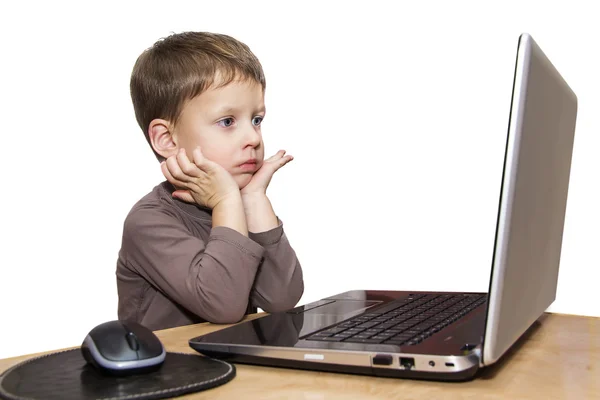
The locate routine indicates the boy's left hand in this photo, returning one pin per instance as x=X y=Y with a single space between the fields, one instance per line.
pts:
x=261 y=179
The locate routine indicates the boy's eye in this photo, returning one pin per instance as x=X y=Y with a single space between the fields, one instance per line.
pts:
x=226 y=122
x=257 y=121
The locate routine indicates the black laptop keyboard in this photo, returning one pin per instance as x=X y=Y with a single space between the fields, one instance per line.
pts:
x=405 y=322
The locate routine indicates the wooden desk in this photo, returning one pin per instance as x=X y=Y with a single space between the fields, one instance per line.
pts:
x=559 y=358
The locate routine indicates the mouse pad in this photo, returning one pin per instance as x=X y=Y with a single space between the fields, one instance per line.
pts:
x=66 y=375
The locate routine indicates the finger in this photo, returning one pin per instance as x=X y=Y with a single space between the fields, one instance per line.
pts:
x=276 y=156
x=276 y=165
x=187 y=167
x=284 y=160
x=200 y=161
x=169 y=177
x=184 y=195
x=175 y=170
x=197 y=156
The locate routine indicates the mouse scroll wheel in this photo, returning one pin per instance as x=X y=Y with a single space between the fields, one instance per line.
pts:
x=133 y=341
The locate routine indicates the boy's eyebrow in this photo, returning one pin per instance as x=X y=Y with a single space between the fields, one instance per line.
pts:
x=229 y=110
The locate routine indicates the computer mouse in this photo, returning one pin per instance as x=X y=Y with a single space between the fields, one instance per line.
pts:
x=123 y=348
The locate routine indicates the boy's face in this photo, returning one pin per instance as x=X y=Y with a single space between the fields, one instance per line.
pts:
x=225 y=123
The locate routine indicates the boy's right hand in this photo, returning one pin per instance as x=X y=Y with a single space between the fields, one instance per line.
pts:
x=208 y=184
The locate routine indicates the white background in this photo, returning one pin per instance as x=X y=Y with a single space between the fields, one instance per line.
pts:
x=396 y=116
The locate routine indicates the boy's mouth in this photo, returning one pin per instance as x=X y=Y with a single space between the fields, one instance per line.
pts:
x=248 y=165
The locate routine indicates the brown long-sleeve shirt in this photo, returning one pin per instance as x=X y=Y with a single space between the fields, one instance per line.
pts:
x=175 y=269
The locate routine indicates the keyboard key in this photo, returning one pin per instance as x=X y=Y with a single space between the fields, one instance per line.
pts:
x=354 y=330
x=373 y=331
x=368 y=324
x=342 y=336
x=403 y=336
x=354 y=340
x=324 y=339
x=333 y=331
x=321 y=334
x=361 y=336
x=381 y=337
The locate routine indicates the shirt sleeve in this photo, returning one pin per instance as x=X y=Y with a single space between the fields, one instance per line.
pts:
x=279 y=281
x=211 y=279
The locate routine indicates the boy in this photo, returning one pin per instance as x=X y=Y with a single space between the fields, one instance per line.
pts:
x=204 y=245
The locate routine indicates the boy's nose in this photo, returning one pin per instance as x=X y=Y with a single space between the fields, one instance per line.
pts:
x=252 y=136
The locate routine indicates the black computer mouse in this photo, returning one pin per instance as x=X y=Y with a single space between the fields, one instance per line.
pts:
x=123 y=348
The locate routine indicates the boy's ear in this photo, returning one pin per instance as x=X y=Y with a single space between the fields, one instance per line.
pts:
x=161 y=138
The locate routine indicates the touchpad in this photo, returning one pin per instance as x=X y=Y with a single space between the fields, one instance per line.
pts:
x=342 y=307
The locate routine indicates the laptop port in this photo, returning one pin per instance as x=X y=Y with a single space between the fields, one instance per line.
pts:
x=407 y=363
x=382 y=359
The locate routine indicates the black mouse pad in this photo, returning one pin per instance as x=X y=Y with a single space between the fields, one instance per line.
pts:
x=66 y=375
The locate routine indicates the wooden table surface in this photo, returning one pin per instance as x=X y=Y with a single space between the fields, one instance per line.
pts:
x=558 y=358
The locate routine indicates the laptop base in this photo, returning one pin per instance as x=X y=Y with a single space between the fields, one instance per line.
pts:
x=284 y=339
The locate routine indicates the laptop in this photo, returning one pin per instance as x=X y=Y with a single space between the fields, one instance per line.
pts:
x=445 y=335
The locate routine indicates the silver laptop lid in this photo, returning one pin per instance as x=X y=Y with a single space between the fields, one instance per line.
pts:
x=532 y=201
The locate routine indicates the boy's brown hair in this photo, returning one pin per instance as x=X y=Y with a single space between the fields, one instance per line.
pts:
x=182 y=66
